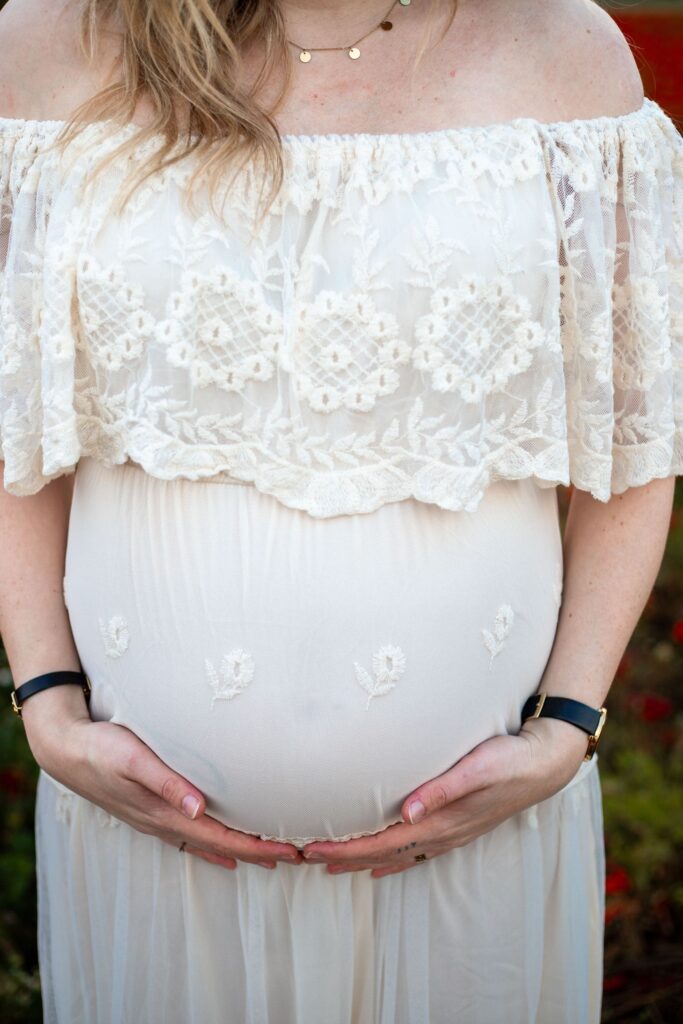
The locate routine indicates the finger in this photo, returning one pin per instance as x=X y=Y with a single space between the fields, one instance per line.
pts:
x=381 y=872
x=212 y=858
x=468 y=775
x=340 y=869
x=248 y=847
x=143 y=766
x=378 y=848
x=228 y=862
x=211 y=836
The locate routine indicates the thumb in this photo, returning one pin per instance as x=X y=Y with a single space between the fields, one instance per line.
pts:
x=464 y=777
x=150 y=771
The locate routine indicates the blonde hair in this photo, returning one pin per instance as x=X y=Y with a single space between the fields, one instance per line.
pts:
x=185 y=55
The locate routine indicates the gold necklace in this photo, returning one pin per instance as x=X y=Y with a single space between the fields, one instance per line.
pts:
x=305 y=53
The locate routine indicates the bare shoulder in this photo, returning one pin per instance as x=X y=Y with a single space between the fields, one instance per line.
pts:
x=554 y=60
x=44 y=74
x=585 y=60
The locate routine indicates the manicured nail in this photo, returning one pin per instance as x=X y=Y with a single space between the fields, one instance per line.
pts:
x=266 y=864
x=312 y=855
x=416 y=810
x=190 y=806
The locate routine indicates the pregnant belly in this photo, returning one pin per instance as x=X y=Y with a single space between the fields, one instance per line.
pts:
x=306 y=674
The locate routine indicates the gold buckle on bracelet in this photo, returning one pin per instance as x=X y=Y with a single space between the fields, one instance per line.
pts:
x=539 y=705
x=593 y=740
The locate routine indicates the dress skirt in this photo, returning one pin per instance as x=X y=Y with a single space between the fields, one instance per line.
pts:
x=306 y=674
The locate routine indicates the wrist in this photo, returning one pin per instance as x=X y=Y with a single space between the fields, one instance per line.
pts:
x=47 y=718
x=559 y=742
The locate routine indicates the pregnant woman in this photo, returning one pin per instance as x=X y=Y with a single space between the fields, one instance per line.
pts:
x=306 y=311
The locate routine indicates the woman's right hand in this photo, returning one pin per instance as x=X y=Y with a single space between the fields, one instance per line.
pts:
x=110 y=766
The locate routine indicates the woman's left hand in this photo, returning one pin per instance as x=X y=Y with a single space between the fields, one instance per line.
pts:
x=493 y=781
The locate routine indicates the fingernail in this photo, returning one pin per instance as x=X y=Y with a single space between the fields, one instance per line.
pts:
x=190 y=806
x=312 y=856
x=291 y=859
x=266 y=864
x=416 y=810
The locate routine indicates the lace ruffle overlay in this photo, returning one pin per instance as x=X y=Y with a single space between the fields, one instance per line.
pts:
x=419 y=315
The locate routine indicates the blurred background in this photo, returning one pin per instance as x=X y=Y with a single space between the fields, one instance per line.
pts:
x=641 y=751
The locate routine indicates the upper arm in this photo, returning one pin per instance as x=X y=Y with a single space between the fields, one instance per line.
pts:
x=44 y=74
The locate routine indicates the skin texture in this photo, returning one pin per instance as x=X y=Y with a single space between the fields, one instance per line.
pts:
x=547 y=59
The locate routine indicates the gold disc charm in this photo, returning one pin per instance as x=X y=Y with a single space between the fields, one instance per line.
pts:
x=354 y=53
x=304 y=56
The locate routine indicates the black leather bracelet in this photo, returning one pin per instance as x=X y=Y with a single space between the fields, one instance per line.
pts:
x=591 y=720
x=44 y=682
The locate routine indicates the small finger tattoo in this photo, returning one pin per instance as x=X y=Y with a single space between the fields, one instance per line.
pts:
x=404 y=849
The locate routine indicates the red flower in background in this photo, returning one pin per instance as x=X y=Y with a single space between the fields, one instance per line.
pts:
x=651 y=707
x=677 y=631
x=617 y=880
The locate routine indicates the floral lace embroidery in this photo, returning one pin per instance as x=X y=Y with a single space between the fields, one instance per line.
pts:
x=346 y=352
x=476 y=337
x=494 y=641
x=113 y=314
x=104 y=819
x=221 y=330
x=515 y=327
x=388 y=665
x=63 y=806
x=115 y=636
x=531 y=816
x=235 y=673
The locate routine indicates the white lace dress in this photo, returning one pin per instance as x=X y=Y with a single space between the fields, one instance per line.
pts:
x=314 y=553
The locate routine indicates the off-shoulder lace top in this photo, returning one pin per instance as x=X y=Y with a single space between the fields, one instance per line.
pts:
x=419 y=315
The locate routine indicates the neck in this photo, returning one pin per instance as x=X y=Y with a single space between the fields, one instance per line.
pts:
x=333 y=22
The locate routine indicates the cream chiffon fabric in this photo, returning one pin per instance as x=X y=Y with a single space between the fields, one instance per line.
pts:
x=306 y=674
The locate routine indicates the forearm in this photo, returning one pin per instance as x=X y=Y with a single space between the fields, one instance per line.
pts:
x=34 y=621
x=612 y=553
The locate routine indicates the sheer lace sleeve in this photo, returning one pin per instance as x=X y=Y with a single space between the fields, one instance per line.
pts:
x=38 y=436
x=619 y=194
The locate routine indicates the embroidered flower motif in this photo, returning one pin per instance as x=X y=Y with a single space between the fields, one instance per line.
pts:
x=63 y=807
x=115 y=636
x=345 y=352
x=221 y=328
x=105 y=820
x=478 y=335
x=495 y=641
x=582 y=176
x=235 y=674
x=531 y=816
x=388 y=665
